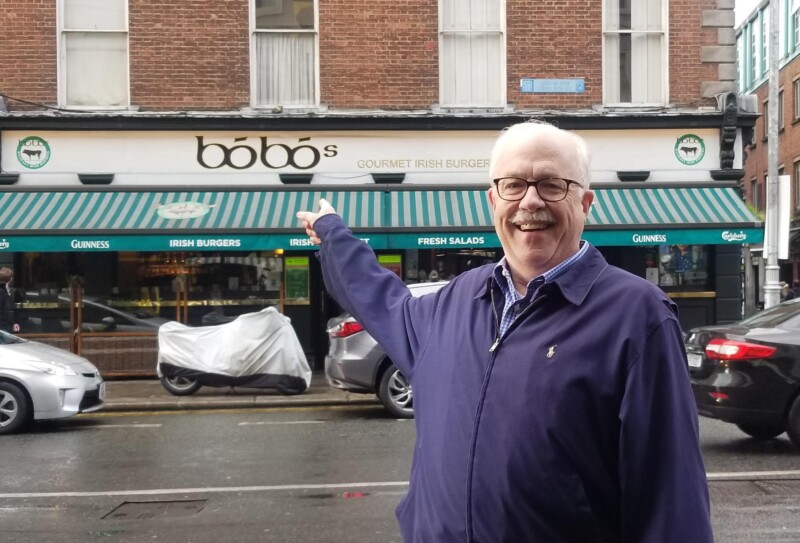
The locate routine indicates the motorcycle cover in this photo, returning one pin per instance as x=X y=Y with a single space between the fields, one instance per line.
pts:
x=255 y=350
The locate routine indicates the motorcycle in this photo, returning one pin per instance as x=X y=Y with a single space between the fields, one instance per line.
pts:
x=255 y=350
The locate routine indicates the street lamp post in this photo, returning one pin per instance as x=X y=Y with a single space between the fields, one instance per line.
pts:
x=772 y=289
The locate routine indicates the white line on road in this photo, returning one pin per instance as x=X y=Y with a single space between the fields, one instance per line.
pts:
x=208 y=490
x=735 y=475
x=264 y=422
x=333 y=486
x=127 y=426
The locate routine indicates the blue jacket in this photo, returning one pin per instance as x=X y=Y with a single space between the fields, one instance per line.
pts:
x=579 y=426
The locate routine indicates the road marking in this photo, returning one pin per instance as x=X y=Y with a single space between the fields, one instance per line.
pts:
x=735 y=475
x=265 y=422
x=208 y=490
x=223 y=411
x=331 y=486
x=128 y=425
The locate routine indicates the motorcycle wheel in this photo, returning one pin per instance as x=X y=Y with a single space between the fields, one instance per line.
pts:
x=180 y=386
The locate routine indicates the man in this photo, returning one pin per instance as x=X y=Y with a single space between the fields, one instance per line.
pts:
x=8 y=322
x=551 y=392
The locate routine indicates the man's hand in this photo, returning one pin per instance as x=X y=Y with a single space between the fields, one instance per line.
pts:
x=15 y=328
x=308 y=218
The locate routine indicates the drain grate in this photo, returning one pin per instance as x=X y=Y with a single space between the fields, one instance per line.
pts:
x=738 y=489
x=156 y=509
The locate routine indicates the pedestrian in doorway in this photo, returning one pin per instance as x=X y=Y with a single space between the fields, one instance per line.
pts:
x=551 y=390
x=794 y=290
x=8 y=320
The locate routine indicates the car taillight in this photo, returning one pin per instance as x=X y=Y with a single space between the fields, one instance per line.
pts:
x=728 y=349
x=346 y=329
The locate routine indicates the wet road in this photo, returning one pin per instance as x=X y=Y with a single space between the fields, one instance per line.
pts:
x=294 y=475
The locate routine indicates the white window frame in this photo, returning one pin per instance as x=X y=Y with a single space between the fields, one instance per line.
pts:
x=664 y=32
x=755 y=193
x=501 y=83
x=796 y=99
x=754 y=75
x=796 y=182
x=316 y=106
x=61 y=61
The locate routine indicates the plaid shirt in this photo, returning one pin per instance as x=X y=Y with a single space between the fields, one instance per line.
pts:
x=516 y=303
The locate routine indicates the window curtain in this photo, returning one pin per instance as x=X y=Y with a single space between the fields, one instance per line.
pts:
x=286 y=69
x=95 y=53
x=96 y=69
x=471 y=59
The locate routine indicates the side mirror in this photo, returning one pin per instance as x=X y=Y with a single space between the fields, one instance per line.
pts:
x=109 y=323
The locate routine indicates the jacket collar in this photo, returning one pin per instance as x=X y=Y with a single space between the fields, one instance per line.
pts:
x=574 y=283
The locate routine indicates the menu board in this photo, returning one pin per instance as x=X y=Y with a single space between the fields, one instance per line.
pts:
x=296 y=281
x=392 y=262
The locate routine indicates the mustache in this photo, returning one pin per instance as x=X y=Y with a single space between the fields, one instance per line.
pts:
x=525 y=217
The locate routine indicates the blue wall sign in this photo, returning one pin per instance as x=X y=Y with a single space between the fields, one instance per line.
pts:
x=552 y=86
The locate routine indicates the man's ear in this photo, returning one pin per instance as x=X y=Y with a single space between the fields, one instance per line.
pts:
x=586 y=201
x=491 y=196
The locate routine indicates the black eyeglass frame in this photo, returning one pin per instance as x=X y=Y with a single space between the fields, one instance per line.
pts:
x=535 y=184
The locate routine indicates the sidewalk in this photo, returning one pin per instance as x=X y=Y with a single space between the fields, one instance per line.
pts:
x=148 y=395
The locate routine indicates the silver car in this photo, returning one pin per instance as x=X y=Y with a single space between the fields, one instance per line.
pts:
x=41 y=382
x=357 y=363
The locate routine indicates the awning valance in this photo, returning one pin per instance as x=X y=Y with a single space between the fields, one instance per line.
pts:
x=389 y=218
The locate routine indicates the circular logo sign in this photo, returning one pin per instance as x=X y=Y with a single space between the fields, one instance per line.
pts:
x=690 y=149
x=183 y=210
x=33 y=152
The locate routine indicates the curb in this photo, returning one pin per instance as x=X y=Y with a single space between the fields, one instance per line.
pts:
x=122 y=406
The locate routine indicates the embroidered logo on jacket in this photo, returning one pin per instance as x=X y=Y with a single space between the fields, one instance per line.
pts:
x=551 y=351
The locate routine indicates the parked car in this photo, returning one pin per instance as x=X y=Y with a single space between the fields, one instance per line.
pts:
x=748 y=373
x=97 y=317
x=357 y=363
x=41 y=382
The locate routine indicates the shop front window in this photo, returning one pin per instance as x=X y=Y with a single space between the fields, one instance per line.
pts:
x=137 y=292
x=682 y=267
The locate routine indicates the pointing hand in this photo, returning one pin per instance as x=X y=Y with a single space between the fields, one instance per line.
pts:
x=308 y=218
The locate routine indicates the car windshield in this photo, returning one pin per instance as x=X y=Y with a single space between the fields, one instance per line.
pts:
x=774 y=315
x=8 y=339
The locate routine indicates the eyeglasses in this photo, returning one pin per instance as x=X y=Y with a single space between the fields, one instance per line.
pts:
x=550 y=189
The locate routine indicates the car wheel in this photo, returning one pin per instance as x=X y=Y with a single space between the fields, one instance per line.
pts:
x=15 y=411
x=395 y=394
x=793 y=428
x=180 y=386
x=762 y=431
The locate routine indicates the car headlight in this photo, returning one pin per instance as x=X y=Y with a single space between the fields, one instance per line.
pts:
x=53 y=368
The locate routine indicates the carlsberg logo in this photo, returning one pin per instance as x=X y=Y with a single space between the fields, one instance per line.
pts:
x=734 y=236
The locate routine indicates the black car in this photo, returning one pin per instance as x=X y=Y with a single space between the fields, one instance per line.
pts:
x=748 y=373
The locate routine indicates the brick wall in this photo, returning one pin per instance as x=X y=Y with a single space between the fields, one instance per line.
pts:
x=28 y=51
x=194 y=54
x=788 y=139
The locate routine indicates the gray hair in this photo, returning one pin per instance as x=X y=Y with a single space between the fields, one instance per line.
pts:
x=532 y=128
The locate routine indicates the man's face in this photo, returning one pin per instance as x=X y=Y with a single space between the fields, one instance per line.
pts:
x=538 y=235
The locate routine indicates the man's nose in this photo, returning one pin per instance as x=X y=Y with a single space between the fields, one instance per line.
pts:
x=531 y=201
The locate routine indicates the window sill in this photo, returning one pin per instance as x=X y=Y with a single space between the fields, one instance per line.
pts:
x=283 y=110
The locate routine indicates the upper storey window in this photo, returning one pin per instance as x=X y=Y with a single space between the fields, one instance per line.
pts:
x=472 y=53
x=285 y=45
x=93 y=54
x=635 y=52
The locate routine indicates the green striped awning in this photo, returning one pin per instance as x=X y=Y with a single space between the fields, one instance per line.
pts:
x=669 y=207
x=153 y=211
x=386 y=218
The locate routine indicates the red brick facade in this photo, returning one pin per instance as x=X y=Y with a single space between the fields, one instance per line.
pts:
x=194 y=55
x=788 y=140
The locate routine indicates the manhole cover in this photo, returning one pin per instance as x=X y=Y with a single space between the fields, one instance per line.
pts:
x=159 y=509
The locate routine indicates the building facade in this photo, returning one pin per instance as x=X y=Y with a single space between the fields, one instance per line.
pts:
x=155 y=153
x=752 y=42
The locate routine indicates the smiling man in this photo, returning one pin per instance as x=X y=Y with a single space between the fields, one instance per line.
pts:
x=551 y=393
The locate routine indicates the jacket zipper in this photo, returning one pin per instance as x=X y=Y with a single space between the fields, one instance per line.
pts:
x=473 y=445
